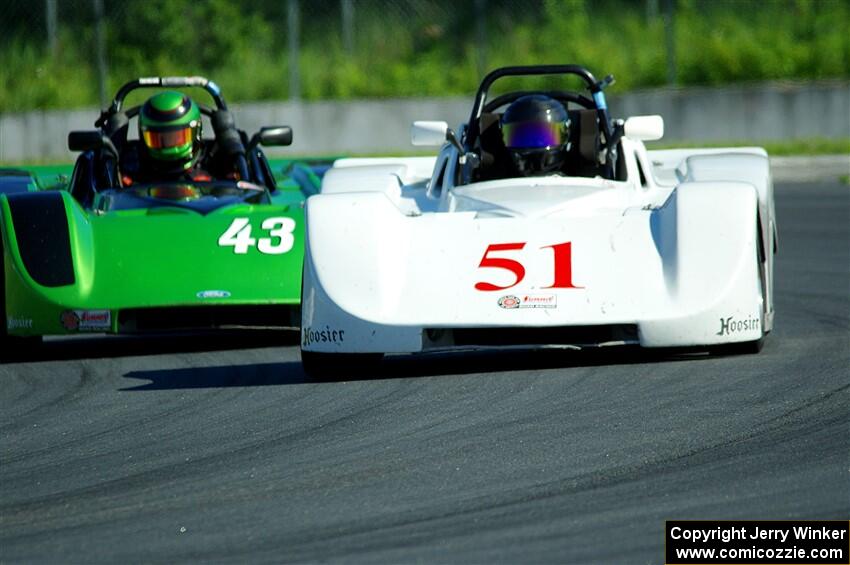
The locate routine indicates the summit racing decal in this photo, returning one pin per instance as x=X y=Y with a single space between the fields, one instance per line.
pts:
x=730 y=325
x=509 y=302
x=310 y=336
x=86 y=320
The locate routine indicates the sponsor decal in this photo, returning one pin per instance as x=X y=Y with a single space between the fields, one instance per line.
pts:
x=213 y=294
x=70 y=321
x=528 y=301
x=86 y=320
x=13 y=323
x=730 y=325
x=310 y=336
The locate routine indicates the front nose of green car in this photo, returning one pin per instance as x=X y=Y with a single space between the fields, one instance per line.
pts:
x=68 y=271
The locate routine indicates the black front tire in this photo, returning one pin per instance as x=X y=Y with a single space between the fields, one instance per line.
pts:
x=339 y=366
x=13 y=347
x=16 y=348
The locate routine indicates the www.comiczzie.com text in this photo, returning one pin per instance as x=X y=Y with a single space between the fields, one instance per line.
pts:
x=757 y=542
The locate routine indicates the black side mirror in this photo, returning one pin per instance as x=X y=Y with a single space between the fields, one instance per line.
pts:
x=90 y=141
x=273 y=136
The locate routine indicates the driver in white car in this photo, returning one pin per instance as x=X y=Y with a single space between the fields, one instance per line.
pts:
x=536 y=133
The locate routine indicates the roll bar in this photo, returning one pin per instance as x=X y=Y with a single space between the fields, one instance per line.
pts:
x=158 y=82
x=595 y=86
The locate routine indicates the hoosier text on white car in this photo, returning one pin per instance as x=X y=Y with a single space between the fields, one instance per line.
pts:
x=543 y=223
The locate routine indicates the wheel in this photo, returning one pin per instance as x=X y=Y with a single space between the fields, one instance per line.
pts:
x=13 y=347
x=339 y=366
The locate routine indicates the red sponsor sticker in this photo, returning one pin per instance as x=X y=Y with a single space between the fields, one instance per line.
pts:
x=70 y=320
x=529 y=301
x=86 y=320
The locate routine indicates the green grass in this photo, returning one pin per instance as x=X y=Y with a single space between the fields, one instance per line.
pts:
x=813 y=146
x=419 y=48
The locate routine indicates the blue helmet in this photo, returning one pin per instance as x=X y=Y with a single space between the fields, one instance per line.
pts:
x=536 y=133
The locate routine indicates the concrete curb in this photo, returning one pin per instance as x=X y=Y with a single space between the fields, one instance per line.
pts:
x=810 y=168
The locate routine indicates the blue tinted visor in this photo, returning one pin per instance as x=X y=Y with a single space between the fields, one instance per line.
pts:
x=534 y=135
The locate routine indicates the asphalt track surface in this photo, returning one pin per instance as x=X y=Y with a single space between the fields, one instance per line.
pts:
x=219 y=450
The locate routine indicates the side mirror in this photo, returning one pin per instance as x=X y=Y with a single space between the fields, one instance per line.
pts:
x=85 y=140
x=273 y=136
x=90 y=140
x=644 y=128
x=429 y=134
x=276 y=136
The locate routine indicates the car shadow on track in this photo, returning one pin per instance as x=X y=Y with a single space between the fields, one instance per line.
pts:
x=503 y=361
x=521 y=360
x=227 y=376
x=496 y=361
x=104 y=346
x=404 y=366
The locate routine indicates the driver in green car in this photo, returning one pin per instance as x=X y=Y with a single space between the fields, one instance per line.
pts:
x=170 y=141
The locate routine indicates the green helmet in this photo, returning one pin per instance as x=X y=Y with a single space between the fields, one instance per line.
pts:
x=170 y=128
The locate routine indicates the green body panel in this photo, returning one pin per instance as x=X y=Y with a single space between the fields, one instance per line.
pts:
x=157 y=257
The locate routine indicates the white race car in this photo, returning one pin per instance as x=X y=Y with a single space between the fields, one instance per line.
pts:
x=544 y=223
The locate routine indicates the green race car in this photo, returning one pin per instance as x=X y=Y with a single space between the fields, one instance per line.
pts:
x=14 y=181
x=168 y=232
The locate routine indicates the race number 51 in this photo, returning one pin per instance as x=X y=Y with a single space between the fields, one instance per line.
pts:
x=280 y=240
x=562 y=254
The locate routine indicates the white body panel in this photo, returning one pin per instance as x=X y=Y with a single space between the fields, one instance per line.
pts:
x=394 y=252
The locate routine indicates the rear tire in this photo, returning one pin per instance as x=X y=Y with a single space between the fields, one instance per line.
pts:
x=339 y=366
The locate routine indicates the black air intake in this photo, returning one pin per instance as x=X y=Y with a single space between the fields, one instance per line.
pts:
x=189 y=318
x=41 y=228
x=559 y=335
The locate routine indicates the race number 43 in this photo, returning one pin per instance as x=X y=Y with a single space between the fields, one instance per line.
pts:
x=562 y=255
x=280 y=240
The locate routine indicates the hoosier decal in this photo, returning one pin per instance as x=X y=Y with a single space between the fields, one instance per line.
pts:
x=326 y=335
x=13 y=323
x=730 y=325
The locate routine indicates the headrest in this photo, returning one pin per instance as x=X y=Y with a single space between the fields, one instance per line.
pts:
x=488 y=120
x=588 y=143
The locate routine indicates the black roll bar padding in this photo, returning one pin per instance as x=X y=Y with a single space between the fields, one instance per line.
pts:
x=159 y=82
x=228 y=138
x=226 y=134
x=116 y=122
